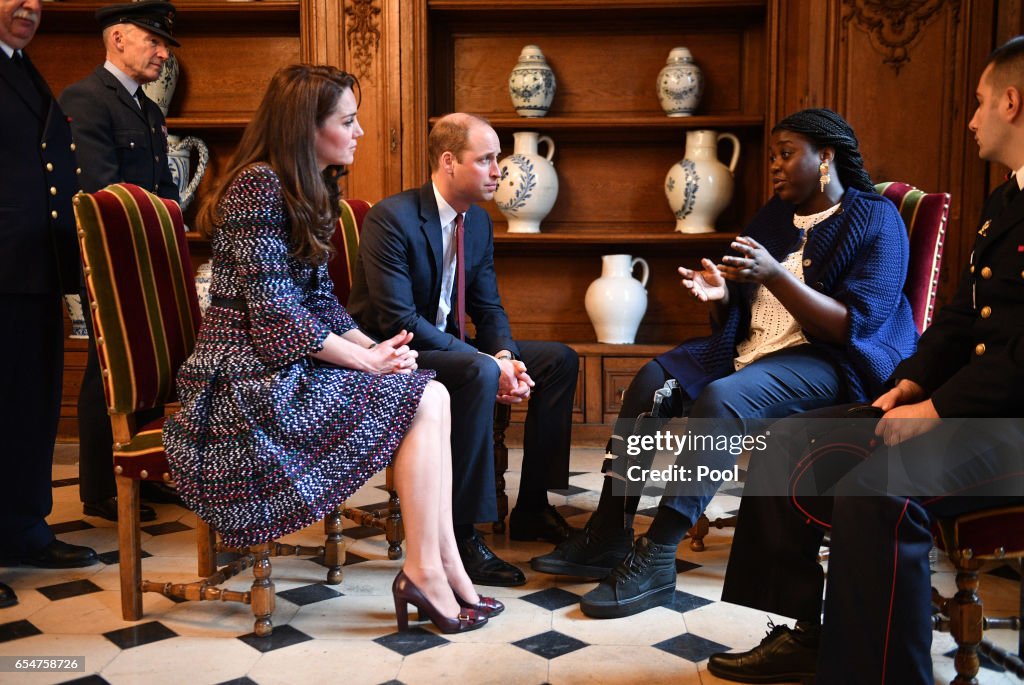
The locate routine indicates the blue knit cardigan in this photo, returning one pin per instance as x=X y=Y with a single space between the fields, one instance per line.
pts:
x=857 y=256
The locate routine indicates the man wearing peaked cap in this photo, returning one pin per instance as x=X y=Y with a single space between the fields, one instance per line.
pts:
x=121 y=136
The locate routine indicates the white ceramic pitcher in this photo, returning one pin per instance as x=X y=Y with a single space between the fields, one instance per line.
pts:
x=616 y=302
x=699 y=187
x=529 y=185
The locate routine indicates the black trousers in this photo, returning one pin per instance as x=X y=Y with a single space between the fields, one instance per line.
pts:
x=879 y=507
x=32 y=366
x=472 y=382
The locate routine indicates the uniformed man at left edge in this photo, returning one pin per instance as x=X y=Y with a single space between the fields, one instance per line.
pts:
x=38 y=262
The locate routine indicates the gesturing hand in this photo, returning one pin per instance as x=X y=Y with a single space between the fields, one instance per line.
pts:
x=393 y=355
x=706 y=285
x=756 y=265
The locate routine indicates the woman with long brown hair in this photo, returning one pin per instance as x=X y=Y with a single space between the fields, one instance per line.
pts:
x=287 y=407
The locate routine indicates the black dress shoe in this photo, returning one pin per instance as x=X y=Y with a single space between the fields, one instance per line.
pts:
x=589 y=553
x=784 y=656
x=107 y=509
x=60 y=554
x=484 y=567
x=546 y=524
x=159 y=493
x=7 y=596
x=646 y=578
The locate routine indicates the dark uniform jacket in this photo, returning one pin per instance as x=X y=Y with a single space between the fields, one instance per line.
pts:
x=38 y=246
x=117 y=141
x=971 y=360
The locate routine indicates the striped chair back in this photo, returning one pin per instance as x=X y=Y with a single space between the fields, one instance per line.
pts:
x=346 y=241
x=925 y=215
x=139 y=278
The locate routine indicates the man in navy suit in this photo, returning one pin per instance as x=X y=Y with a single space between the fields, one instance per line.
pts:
x=121 y=137
x=38 y=261
x=407 y=277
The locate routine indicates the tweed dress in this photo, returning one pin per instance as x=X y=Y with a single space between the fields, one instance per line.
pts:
x=269 y=439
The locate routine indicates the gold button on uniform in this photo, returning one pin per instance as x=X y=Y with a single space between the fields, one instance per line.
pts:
x=979 y=349
x=131 y=145
x=78 y=170
x=986 y=273
x=53 y=214
x=43 y=146
x=807 y=262
x=986 y=312
x=972 y=268
x=49 y=166
x=73 y=147
x=53 y=190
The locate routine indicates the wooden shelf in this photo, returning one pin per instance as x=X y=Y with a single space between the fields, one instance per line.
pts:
x=208 y=121
x=193 y=16
x=575 y=5
x=620 y=123
x=546 y=240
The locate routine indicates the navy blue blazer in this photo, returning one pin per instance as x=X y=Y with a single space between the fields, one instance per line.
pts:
x=397 y=279
x=38 y=245
x=118 y=142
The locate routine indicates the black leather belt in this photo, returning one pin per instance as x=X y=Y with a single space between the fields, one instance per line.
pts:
x=229 y=303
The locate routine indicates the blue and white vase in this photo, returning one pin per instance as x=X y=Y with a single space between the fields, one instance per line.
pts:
x=179 y=159
x=531 y=83
x=77 y=316
x=699 y=187
x=680 y=84
x=162 y=90
x=204 y=276
x=528 y=186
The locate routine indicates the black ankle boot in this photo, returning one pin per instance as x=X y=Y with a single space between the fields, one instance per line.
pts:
x=785 y=655
x=646 y=578
x=588 y=553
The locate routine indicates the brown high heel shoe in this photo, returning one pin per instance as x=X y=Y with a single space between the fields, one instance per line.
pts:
x=487 y=606
x=406 y=593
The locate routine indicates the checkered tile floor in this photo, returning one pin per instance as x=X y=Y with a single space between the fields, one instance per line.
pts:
x=346 y=633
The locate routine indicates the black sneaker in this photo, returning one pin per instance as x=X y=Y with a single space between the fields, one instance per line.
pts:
x=646 y=578
x=588 y=553
x=785 y=655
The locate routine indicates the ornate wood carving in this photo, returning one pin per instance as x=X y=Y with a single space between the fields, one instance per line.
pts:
x=363 y=36
x=894 y=25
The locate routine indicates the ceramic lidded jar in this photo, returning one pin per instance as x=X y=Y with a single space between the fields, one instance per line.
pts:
x=680 y=84
x=699 y=187
x=528 y=186
x=531 y=83
x=616 y=302
x=162 y=90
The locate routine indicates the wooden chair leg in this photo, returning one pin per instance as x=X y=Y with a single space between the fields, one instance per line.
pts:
x=334 y=547
x=206 y=548
x=698 y=533
x=129 y=538
x=965 y=624
x=262 y=591
x=393 y=529
x=502 y=417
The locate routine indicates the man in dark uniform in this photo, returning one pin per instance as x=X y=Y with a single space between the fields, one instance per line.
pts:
x=122 y=137
x=38 y=261
x=939 y=441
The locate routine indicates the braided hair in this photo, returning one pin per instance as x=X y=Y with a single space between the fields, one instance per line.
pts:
x=825 y=128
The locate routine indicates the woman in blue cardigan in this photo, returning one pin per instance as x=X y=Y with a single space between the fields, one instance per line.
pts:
x=807 y=311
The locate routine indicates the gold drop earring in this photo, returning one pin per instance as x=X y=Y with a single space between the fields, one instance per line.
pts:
x=825 y=178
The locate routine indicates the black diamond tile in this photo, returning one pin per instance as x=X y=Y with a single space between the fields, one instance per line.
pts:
x=283 y=636
x=15 y=630
x=350 y=559
x=691 y=647
x=393 y=682
x=239 y=681
x=309 y=594
x=684 y=601
x=165 y=528
x=411 y=641
x=550 y=645
x=64 y=482
x=1006 y=571
x=142 y=634
x=73 y=588
x=653 y=490
x=93 y=679
x=650 y=511
x=552 y=598
x=376 y=506
x=114 y=556
x=70 y=527
x=569 y=491
x=682 y=566
x=983 y=661
x=577 y=473
x=567 y=511
x=360 y=532
x=225 y=558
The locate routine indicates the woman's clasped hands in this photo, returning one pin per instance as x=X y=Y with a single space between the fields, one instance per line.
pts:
x=393 y=355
